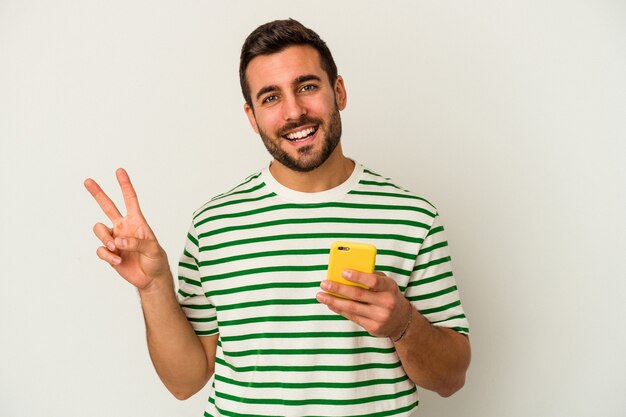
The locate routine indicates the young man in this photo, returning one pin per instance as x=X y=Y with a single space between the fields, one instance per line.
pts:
x=250 y=314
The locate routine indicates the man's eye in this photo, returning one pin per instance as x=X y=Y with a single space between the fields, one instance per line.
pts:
x=269 y=99
x=308 y=87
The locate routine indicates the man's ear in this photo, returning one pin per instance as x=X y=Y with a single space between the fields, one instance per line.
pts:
x=251 y=118
x=341 y=96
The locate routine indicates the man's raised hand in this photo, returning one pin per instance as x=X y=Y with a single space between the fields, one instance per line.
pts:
x=130 y=246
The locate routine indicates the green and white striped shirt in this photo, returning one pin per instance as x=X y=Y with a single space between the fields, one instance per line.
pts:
x=252 y=265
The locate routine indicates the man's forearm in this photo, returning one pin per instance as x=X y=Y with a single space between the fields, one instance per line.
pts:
x=177 y=353
x=433 y=357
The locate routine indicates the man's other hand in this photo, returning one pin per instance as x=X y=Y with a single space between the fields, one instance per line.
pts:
x=130 y=246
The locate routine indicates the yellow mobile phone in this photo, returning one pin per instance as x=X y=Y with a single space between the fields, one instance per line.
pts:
x=350 y=255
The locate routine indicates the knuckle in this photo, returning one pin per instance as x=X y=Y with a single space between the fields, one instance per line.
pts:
x=376 y=283
x=357 y=294
x=388 y=303
x=129 y=243
x=101 y=231
x=330 y=304
x=375 y=328
x=385 y=316
x=352 y=308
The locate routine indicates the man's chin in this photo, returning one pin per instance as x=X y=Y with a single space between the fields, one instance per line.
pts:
x=300 y=165
x=305 y=158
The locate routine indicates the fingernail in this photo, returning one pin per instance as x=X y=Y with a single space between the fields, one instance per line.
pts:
x=325 y=285
x=321 y=297
x=116 y=261
x=111 y=245
x=346 y=274
x=120 y=243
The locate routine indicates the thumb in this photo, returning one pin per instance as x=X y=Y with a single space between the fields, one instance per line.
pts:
x=149 y=248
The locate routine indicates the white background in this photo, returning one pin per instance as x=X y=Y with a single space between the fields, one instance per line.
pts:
x=510 y=116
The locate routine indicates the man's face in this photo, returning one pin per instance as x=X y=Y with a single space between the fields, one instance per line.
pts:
x=295 y=108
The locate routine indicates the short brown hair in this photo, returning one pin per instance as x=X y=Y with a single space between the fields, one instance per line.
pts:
x=275 y=36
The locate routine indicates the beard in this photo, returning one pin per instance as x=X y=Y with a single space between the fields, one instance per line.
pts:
x=307 y=159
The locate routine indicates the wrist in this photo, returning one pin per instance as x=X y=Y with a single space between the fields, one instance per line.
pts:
x=158 y=286
x=399 y=336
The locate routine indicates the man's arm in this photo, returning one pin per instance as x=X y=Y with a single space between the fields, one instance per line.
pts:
x=183 y=361
x=434 y=358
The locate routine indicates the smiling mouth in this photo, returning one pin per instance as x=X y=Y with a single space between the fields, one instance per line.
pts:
x=301 y=135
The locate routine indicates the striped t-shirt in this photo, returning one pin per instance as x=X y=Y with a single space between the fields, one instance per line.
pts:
x=252 y=265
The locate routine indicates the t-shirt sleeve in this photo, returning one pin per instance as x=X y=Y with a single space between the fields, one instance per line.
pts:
x=432 y=288
x=196 y=306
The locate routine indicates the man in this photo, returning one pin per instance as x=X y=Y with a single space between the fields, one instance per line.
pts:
x=250 y=315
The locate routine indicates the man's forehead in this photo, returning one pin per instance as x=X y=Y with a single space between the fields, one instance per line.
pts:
x=284 y=67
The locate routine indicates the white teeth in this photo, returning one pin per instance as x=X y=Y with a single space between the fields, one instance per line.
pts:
x=300 y=134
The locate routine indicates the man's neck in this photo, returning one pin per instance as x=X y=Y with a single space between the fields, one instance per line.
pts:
x=333 y=172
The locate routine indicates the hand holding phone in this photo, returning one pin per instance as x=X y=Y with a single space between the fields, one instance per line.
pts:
x=350 y=255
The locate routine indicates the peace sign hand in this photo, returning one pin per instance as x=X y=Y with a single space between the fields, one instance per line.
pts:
x=130 y=246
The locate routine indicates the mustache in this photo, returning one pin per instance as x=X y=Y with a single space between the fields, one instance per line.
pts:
x=302 y=121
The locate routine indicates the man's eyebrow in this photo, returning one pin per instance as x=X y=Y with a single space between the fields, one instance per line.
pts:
x=266 y=89
x=308 y=77
x=299 y=80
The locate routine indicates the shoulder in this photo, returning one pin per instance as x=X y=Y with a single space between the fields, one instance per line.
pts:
x=248 y=188
x=383 y=190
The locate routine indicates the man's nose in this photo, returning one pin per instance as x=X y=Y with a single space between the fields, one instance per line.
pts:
x=294 y=109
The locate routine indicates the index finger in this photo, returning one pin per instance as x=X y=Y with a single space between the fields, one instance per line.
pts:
x=103 y=200
x=128 y=191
